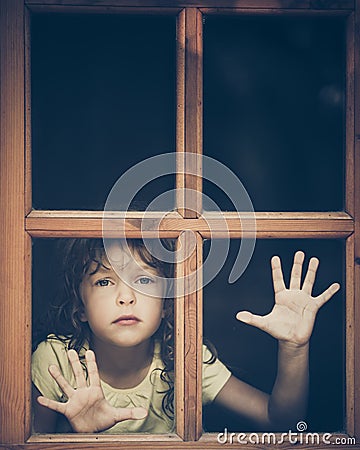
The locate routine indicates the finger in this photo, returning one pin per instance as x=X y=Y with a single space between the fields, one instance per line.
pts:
x=277 y=275
x=77 y=369
x=310 y=276
x=63 y=384
x=92 y=368
x=130 y=414
x=326 y=295
x=52 y=404
x=252 y=319
x=295 y=279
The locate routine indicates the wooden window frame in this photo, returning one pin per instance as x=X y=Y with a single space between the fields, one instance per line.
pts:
x=19 y=223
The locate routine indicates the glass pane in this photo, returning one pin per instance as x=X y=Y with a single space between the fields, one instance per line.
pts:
x=274 y=108
x=119 y=304
x=103 y=99
x=251 y=354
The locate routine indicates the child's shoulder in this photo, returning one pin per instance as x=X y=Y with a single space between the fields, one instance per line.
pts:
x=54 y=339
x=52 y=345
x=56 y=344
x=53 y=350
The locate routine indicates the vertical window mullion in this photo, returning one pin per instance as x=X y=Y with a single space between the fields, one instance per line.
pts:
x=180 y=108
x=189 y=186
x=14 y=242
x=349 y=118
x=189 y=123
x=28 y=171
x=179 y=332
x=356 y=191
x=349 y=206
x=188 y=344
x=350 y=330
x=27 y=210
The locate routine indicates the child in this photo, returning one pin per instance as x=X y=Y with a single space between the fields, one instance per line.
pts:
x=117 y=304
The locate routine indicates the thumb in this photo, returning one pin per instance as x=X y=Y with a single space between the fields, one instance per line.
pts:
x=252 y=319
x=130 y=414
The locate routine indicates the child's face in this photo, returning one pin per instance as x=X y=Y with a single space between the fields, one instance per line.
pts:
x=123 y=307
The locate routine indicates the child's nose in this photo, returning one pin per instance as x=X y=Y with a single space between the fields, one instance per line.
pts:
x=126 y=295
x=126 y=300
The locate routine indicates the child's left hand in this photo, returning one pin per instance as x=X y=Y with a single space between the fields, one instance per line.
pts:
x=293 y=315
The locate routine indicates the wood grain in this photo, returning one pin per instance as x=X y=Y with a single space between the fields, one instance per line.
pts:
x=190 y=330
x=15 y=203
x=189 y=119
x=305 y=12
x=14 y=245
x=350 y=334
x=189 y=338
x=28 y=171
x=180 y=111
x=199 y=335
x=350 y=115
x=350 y=208
x=248 y=4
x=179 y=312
x=357 y=224
x=207 y=441
x=193 y=112
x=109 y=9
x=268 y=225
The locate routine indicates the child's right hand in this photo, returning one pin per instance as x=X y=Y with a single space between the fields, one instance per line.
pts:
x=86 y=409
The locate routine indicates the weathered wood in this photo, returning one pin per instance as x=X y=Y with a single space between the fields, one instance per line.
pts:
x=199 y=335
x=28 y=180
x=27 y=209
x=189 y=119
x=304 y=12
x=15 y=202
x=14 y=244
x=188 y=339
x=247 y=4
x=110 y=9
x=357 y=224
x=193 y=112
x=179 y=311
x=207 y=441
x=350 y=208
x=350 y=333
x=180 y=111
x=350 y=115
x=268 y=225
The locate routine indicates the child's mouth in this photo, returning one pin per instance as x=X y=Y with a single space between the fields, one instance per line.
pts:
x=127 y=320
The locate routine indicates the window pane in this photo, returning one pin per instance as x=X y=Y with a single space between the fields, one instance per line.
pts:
x=274 y=108
x=123 y=311
x=103 y=99
x=251 y=354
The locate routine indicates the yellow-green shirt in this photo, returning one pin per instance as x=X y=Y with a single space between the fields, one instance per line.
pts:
x=147 y=394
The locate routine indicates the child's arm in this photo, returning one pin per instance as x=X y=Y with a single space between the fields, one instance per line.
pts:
x=86 y=409
x=291 y=321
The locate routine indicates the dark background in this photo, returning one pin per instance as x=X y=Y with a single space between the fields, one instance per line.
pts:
x=103 y=99
x=274 y=108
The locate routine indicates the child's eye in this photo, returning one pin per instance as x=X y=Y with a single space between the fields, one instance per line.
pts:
x=144 y=280
x=103 y=283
